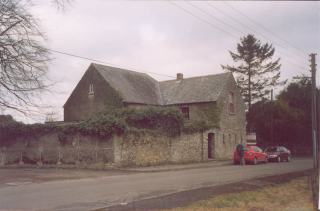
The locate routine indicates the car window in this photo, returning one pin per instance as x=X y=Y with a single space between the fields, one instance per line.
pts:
x=271 y=149
x=257 y=149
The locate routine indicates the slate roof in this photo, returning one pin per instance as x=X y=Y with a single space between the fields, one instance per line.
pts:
x=193 y=90
x=137 y=87
x=133 y=86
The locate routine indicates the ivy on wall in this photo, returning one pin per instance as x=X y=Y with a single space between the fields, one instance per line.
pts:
x=208 y=117
x=167 y=121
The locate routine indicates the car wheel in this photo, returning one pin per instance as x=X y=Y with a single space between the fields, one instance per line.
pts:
x=289 y=158
x=255 y=161
x=279 y=159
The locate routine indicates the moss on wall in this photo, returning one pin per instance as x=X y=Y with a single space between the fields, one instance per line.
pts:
x=204 y=116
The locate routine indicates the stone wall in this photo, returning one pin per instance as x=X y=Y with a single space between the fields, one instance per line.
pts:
x=139 y=148
x=232 y=129
x=189 y=148
x=50 y=149
x=154 y=149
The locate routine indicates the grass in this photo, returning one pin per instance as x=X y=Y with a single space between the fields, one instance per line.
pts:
x=291 y=196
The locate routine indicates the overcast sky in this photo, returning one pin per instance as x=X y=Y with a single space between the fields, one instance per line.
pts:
x=160 y=37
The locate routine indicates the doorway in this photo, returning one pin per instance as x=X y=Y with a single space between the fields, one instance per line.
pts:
x=211 y=145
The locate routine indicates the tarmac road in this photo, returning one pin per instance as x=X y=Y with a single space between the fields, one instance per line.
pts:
x=114 y=189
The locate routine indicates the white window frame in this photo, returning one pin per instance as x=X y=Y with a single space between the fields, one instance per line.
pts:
x=91 y=90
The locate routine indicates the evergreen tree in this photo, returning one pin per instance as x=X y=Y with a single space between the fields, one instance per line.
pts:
x=256 y=72
x=288 y=117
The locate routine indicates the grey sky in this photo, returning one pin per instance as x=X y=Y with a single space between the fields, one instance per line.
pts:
x=157 y=36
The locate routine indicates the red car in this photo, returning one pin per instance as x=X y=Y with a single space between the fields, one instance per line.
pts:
x=253 y=154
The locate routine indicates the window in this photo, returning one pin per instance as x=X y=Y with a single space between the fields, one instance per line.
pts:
x=231 y=105
x=257 y=149
x=185 y=111
x=91 y=91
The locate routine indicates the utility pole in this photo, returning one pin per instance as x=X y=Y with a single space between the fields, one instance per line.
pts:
x=318 y=123
x=314 y=110
x=318 y=149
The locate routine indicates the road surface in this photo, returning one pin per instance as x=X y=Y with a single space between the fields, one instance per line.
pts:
x=113 y=189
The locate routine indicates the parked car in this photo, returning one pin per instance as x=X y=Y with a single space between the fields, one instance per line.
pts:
x=278 y=154
x=253 y=155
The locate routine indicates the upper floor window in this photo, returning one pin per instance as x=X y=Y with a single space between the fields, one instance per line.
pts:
x=91 y=90
x=231 y=104
x=185 y=111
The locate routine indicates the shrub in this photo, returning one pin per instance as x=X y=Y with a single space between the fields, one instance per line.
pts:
x=168 y=120
x=196 y=126
x=104 y=125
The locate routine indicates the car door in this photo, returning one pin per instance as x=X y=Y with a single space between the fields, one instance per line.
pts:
x=279 y=152
x=258 y=153
x=282 y=153
x=262 y=154
x=285 y=153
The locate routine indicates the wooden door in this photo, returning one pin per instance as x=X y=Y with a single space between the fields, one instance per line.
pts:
x=210 y=145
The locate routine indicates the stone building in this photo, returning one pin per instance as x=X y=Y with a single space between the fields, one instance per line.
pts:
x=204 y=97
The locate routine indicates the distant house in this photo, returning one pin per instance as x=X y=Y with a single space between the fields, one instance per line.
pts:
x=251 y=139
x=104 y=85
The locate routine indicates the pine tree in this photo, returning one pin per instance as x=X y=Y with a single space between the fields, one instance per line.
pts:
x=256 y=72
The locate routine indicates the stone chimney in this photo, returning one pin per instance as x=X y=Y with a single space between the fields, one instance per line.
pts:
x=179 y=76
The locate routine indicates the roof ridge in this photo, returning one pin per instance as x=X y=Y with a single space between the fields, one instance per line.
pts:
x=202 y=76
x=120 y=68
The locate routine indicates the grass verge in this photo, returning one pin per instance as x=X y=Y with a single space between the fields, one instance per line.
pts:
x=295 y=195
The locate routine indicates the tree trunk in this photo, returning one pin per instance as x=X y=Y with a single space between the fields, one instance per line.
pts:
x=249 y=95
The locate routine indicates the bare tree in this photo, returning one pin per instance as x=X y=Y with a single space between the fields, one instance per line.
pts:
x=23 y=58
x=51 y=116
x=62 y=4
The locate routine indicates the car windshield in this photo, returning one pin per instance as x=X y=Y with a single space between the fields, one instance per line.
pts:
x=271 y=149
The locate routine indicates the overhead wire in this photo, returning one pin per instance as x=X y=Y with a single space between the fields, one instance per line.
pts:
x=223 y=22
x=215 y=18
x=186 y=11
x=104 y=62
x=239 y=22
x=203 y=20
x=266 y=29
x=219 y=28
